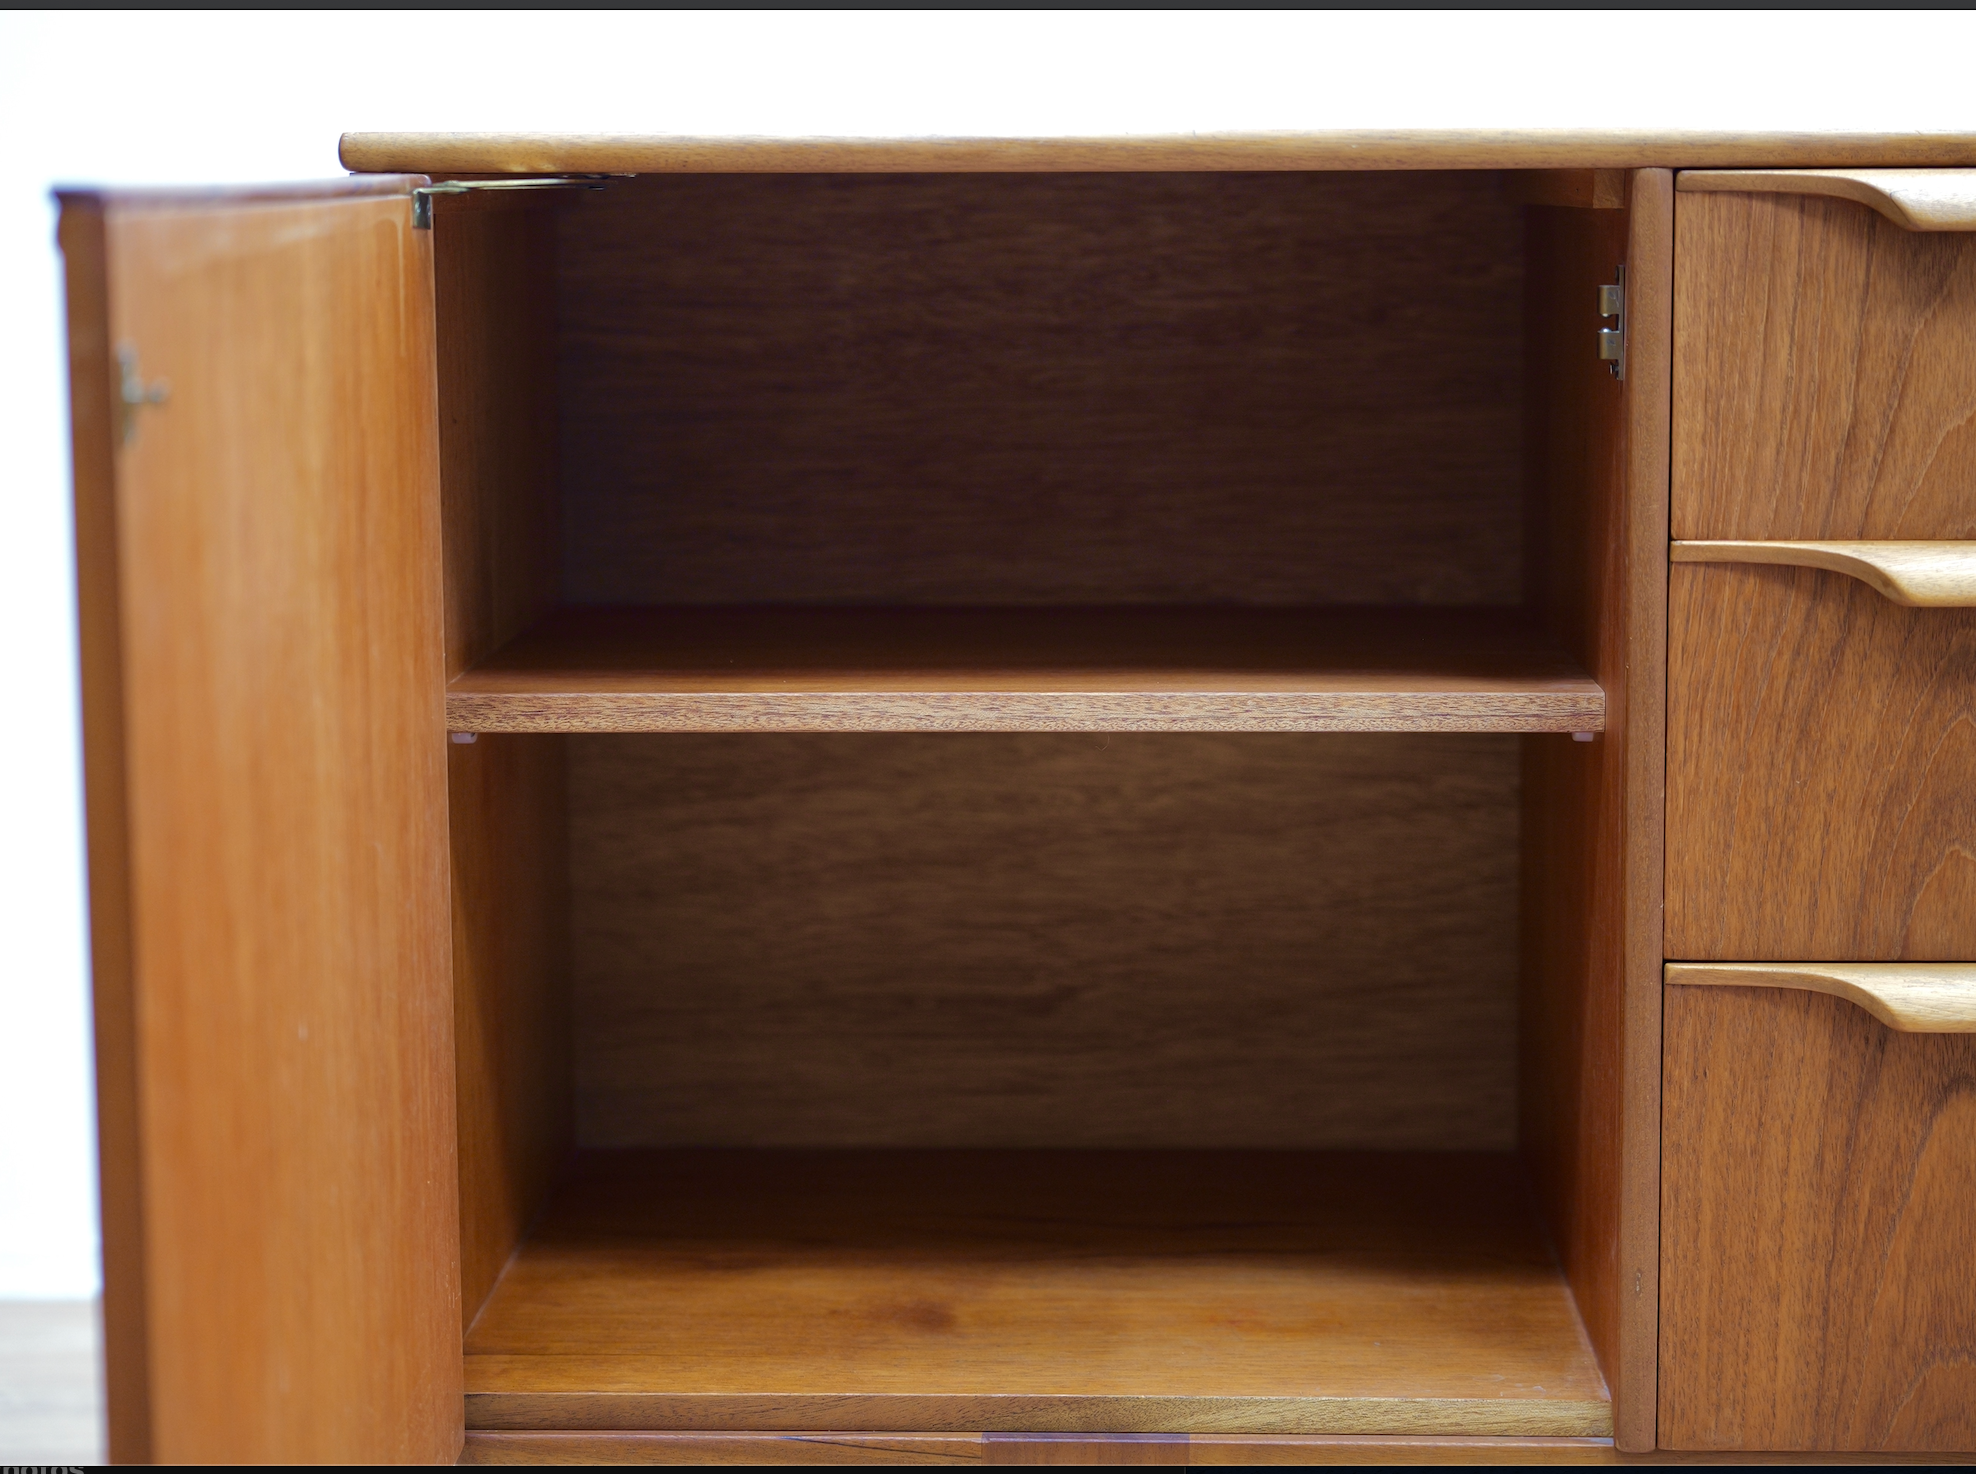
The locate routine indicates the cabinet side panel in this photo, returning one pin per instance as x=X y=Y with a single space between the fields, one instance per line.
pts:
x=92 y=415
x=494 y=300
x=279 y=576
x=1591 y=885
x=511 y=992
x=493 y=268
x=1570 y=1006
x=1643 y=599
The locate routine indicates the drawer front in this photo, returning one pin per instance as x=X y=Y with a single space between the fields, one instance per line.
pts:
x=1818 y=1227
x=1821 y=770
x=1824 y=372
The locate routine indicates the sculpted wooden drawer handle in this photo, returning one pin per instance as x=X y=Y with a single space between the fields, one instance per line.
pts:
x=1914 y=199
x=1914 y=997
x=1926 y=575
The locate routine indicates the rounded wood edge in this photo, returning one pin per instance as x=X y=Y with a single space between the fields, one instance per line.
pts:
x=1914 y=199
x=1921 y=575
x=524 y=153
x=1912 y=998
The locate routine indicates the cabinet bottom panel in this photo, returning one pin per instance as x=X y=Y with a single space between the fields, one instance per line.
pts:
x=1093 y=1448
x=1144 y=1292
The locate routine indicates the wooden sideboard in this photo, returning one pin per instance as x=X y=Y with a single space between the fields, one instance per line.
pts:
x=1290 y=799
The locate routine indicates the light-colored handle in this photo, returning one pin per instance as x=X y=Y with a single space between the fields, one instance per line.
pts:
x=1914 y=199
x=1914 y=997
x=1926 y=575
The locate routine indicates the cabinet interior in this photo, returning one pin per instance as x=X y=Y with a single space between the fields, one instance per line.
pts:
x=828 y=1061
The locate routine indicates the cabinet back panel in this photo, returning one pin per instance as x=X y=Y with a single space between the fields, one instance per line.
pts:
x=1185 y=940
x=1032 y=389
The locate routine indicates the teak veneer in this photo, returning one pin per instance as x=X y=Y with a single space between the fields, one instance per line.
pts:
x=1150 y=939
x=1130 y=1292
x=1210 y=1449
x=1091 y=669
x=1354 y=149
x=252 y=800
x=1294 y=798
x=1820 y=1236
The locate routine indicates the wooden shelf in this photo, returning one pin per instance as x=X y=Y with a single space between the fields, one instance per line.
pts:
x=1164 y=668
x=1253 y=1292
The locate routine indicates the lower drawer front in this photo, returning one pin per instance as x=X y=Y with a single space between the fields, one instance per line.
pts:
x=1818 y=1234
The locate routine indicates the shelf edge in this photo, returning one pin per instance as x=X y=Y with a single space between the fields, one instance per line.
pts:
x=889 y=711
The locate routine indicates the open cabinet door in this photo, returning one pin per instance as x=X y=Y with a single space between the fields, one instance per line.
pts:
x=257 y=527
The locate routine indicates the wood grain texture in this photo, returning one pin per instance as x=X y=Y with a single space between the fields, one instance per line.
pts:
x=1821 y=798
x=1127 y=389
x=1915 y=998
x=1102 y=1448
x=494 y=281
x=289 y=1062
x=1914 y=199
x=1024 y=1448
x=93 y=418
x=1416 y=148
x=780 y=668
x=724 y=1448
x=1050 y=1292
x=511 y=993
x=1820 y=1228
x=993 y=940
x=1591 y=831
x=1579 y=189
x=1641 y=597
x=493 y=268
x=1825 y=370
x=1921 y=575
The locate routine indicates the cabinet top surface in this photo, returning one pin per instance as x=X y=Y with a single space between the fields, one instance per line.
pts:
x=527 y=153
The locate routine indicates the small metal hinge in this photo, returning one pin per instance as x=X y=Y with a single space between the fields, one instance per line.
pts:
x=422 y=196
x=133 y=393
x=1612 y=340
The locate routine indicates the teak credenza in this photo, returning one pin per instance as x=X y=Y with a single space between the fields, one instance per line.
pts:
x=1288 y=799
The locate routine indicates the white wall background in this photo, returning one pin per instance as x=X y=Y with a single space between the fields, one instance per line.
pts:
x=133 y=98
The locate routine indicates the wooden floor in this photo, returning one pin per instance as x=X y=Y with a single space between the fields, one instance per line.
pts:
x=1221 y=668
x=1138 y=1292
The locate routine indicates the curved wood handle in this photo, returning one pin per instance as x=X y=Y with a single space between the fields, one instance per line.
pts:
x=1914 y=997
x=1926 y=575
x=1914 y=199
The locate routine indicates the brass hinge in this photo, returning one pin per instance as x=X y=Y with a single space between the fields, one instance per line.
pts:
x=422 y=196
x=1612 y=340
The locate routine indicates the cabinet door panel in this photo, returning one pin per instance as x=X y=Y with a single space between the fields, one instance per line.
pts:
x=1824 y=372
x=259 y=574
x=1821 y=770
x=1818 y=1231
